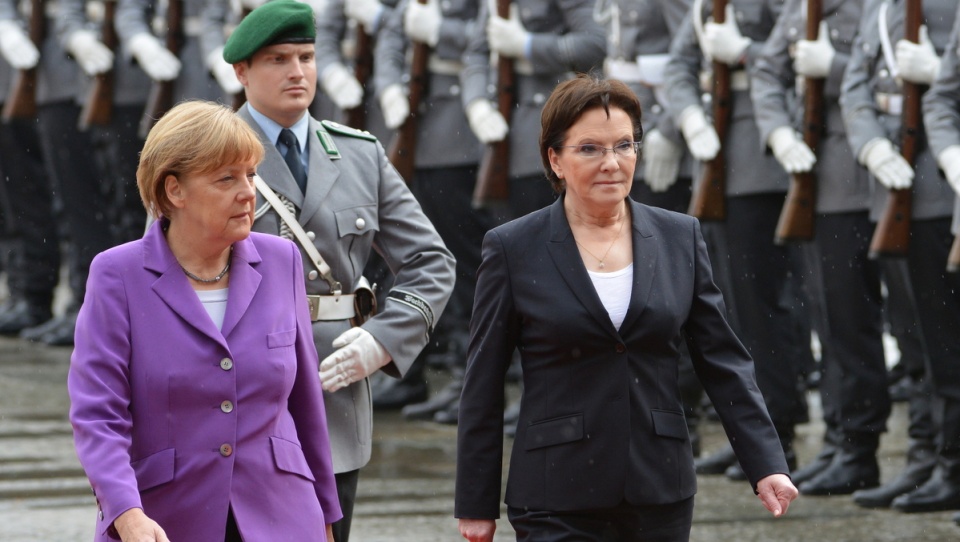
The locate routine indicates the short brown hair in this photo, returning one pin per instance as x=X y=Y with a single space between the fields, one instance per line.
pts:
x=570 y=100
x=193 y=138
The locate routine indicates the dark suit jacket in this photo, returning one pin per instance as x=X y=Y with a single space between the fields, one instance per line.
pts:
x=601 y=418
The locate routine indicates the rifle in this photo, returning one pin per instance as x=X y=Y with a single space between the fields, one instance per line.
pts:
x=708 y=201
x=362 y=70
x=98 y=107
x=160 y=99
x=493 y=177
x=403 y=146
x=796 y=217
x=953 y=259
x=892 y=234
x=22 y=101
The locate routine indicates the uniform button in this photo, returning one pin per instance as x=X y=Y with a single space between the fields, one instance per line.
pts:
x=883 y=73
x=226 y=406
x=835 y=33
x=226 y=364
x=361 y=223
x=621 y=349
x=454 y=90
x=539 y=98
x=491 y=89
x=313 y=274
x=226 y=450
x=656 y=109
x=311 y=236
x=792 y=32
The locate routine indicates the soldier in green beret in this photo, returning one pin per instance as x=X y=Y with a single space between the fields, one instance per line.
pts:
x=332 y=189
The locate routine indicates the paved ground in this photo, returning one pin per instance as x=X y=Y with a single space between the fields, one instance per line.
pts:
x=406 y=493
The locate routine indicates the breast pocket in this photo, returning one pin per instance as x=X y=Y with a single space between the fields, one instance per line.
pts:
x=356 y=227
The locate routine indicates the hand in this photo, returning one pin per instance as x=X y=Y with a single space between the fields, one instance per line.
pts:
x=365 y=12
x=159 y=63
x=792 y=153
x=886 y=164
x=341 y=86
x=661 y=161
x=507 y=37
x=395 y=106
x=949 y=160
x=16 y=47
x=723 y=42
x=224 y=73
x=918 y=62
x=776 y=492
x=329 y=533
x=357 y=357
x=421 y=22
x=814 y=58
x=486 y=122
x=477 y=530
x=702 y=139
x=92 y=56
x=134 y=526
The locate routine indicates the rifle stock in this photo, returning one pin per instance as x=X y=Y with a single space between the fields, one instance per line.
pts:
x=160 y=99
x=708 y=201
x=493 y=177
x=22 y=101
x=797 y=216
x=403 y=146
x=362 y=70
x=98 y=106
x=891 y=238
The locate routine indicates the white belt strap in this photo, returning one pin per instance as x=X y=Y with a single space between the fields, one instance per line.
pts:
x=885 y=44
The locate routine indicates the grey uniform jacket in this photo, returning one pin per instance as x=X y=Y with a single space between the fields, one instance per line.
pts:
x=57 y=74
x=868 y=74
x=564 y=39
x=354 y=205
x=843 y=185
x=749 y=170
x=444 y=138
x=941 y=106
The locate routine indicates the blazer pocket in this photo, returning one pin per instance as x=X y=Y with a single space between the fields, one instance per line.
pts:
x=288 y=456
x=155 y=469
x=281 y=338
x=554 y=431
x=669 y=423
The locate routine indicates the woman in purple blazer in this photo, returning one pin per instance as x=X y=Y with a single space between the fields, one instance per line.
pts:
x=195 y=400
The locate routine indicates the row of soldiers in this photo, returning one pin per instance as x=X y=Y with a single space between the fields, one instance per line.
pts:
x=867 y=57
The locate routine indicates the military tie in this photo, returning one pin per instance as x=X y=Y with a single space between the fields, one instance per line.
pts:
x=292 y=158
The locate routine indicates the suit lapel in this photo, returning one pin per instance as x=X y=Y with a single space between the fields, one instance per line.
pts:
x=244 y=281
x=645 y=254
x=322 y=173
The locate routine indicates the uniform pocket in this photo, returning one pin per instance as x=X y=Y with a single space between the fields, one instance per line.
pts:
x=554 y=431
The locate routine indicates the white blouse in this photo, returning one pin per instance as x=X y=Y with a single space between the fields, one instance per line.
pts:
x=614 y=290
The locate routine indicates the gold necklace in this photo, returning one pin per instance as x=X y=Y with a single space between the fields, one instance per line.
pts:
x=619 y=231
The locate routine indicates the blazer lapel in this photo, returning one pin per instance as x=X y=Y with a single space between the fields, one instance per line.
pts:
x=645 y=254
x=322 y=173
x=244 y=281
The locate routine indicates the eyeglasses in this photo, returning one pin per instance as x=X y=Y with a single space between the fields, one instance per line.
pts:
x=627 y=149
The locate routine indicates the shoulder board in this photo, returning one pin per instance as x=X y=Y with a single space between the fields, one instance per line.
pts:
x=340 y=129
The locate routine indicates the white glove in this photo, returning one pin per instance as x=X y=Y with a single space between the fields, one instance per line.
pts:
x=159 y=63
x=702 y=139
x=814 y=58
x=365 y=12
x=486 y=122
x=92 y=56
x=886 y=164
x=661 y=161
x=723 y=42
x=16 y=47
x=792 y=153
x=341 y=86
x=318 y=6
x=224 y=74
x=358 y=355
x=918 y=62
x=395 y=106
x=949 y=160
x=421 y=22
x=507 y=37
x=252 y=4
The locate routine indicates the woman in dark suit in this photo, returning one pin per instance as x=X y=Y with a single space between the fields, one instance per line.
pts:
x=195 y=399
x=595 y=292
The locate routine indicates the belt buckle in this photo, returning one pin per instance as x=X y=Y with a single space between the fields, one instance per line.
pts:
x=314 y=304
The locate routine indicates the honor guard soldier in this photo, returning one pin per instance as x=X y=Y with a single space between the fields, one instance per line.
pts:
x=332 y=189
x=761 y=272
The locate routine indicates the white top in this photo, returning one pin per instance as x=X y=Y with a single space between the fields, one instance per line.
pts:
x=614 y=290
x=215 y=301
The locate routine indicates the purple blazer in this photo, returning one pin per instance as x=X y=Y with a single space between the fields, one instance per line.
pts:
x=184 y=420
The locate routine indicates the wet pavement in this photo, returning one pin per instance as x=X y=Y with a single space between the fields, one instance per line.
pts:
x=406 y=492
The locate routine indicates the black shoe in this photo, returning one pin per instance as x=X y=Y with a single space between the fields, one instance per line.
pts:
x=16 y=315
x=815 y=467
x=717 y=463
x=54 y=332
x=936 y=494
x=446 y=397
x=399 y=393
x=920 y=465
x=735 y=472
x=845 y=474
x=449 y=415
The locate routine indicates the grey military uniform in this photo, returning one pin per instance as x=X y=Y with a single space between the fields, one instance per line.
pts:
x=356 y=203
x=868 y=76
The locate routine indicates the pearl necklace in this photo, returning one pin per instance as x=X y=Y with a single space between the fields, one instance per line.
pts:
x=216 y=278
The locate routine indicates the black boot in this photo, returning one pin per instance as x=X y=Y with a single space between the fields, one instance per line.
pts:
x=716 y=463
x=20 y=313
x=831 y=445
x=940 y=492
x=921 y=460
x=854 y=467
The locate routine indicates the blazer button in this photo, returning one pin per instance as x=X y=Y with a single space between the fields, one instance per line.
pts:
x=620 y=348
x=226 y=450
x=226 y=364
x=226 y=406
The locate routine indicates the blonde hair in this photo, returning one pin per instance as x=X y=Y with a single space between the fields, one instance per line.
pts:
x=193 y=138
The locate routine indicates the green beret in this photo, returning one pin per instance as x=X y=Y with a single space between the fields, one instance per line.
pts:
x=278 y=21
